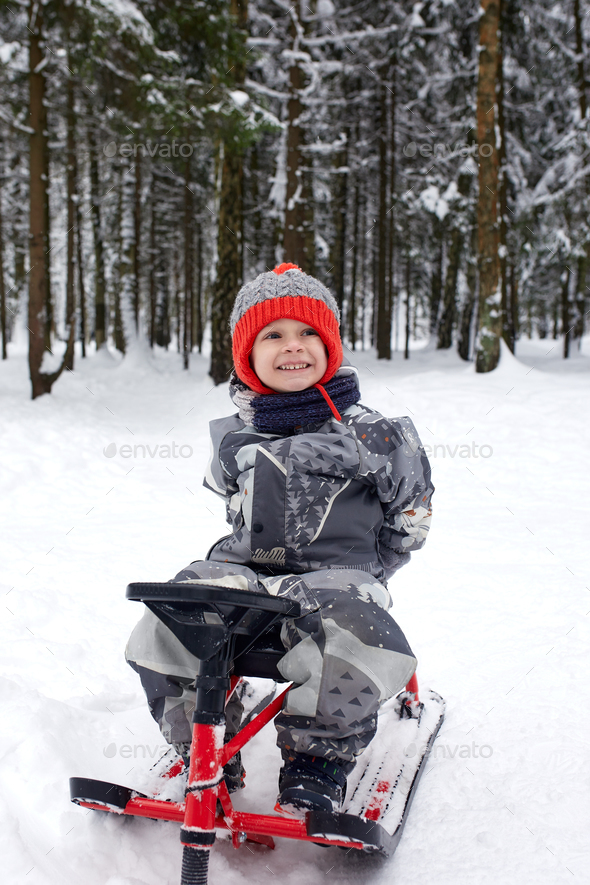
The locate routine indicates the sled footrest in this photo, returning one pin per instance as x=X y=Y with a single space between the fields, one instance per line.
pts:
x=113 y=796
x=344 y=827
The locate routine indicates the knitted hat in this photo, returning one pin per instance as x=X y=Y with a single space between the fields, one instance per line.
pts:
x=285 y=292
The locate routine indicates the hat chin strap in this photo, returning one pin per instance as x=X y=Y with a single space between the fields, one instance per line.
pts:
x=326 y=396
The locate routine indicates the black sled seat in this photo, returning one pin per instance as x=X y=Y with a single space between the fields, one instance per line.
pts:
x=234 y=626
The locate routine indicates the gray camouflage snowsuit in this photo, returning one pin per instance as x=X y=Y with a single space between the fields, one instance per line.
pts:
x=324 y=516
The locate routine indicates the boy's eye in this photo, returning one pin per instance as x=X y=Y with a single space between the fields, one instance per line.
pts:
x=272 y=335
x=309 y=332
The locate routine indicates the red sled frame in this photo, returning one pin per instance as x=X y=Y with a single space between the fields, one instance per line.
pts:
x=200 y=814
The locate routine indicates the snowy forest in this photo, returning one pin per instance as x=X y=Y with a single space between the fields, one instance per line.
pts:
x=155 y=155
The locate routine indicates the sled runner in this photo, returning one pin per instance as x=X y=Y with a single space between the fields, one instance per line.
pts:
x=235 y=634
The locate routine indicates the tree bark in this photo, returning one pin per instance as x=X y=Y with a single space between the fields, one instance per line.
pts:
x=449 y=315
x=408 y=285
x=198 y=329
x=3 y=328
x=448 y=318
x=436 y=283
x=507 y=324
x=298 y=238
x=464 y=344
x=118 y=328
x=188 y=266
x=582 y=85
x=490 y=306
x=81 y=287
x=79 y=253
x=37 y=220
x=152 y=271
x=391 y=236
x=230 y=237
x=583 y=260
x=137 y=243
x=41 y=382
x=70 y=211
x=340 y=214
x=565 y=312
x=100 y=305
x=229 y=265
x=383 y=330
x=356 y=248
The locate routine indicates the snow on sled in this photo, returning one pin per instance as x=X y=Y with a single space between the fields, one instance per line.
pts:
x=239 y=631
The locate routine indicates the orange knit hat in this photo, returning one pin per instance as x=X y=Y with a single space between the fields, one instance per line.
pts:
x=283 y=292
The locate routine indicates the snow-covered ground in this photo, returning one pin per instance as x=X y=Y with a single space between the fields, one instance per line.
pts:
x=101 y=485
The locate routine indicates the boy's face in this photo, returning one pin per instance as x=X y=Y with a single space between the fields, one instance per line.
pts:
x=289 y=356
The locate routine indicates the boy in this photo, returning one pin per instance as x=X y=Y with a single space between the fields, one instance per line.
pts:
x=326 y=499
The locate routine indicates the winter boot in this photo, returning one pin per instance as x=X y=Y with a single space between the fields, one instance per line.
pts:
x=311 y=783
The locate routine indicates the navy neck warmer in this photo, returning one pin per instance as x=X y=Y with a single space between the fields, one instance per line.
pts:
x=289 y=413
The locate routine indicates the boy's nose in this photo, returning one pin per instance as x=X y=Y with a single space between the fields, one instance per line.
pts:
x=293 y=344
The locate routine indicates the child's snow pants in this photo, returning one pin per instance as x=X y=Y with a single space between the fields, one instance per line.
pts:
x=344 y=655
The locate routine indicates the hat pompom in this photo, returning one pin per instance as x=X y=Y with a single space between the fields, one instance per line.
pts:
x=281 y=268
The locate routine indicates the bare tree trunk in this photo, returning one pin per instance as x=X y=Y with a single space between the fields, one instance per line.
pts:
x=100 y=307
x=448 y=318
x=436 y=284
x=38 y=186
x=383 y=330
x=152 y=272
x=128 y=288
x=565 y=312
x=230 y=237
x=198 y=327
x=188 y=265
x=467 y=318
x=298 y=239
x=137 y=244
x=70 y=211
x=449 y=315
x=3 y=327
x=79 y=255
x=118 y=326
x=41 y=382
x=582 y=85
x=507 y=325
x=81 y=288
x=229 y=265
x=583 y=260
x=391 y=289
x=363 y=269
x=355 y=250
x=408 y=286
x=176 y=278
x=340 y=201
x=49 y=313
x=490 y=303
x=580 y=295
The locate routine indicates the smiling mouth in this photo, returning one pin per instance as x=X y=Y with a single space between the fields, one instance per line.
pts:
x=295 y=366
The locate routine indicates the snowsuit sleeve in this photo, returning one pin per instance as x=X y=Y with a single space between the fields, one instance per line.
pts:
x=394 y=461
x=217 y=477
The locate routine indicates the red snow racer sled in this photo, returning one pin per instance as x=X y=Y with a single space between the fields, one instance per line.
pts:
x=235 y=635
